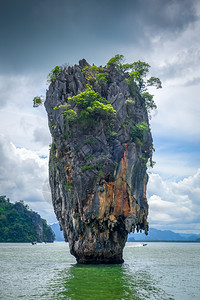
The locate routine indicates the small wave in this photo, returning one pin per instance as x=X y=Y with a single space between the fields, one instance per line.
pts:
x=134 y=246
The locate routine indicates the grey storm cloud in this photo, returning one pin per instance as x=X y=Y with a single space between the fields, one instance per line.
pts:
x=42 y=135
x=192 y=82
x=185 y=62
x=36 y=34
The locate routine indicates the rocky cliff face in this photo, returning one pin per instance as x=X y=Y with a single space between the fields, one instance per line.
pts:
x=97 y=168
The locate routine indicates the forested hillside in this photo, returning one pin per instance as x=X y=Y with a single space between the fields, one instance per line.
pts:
x=20 y=224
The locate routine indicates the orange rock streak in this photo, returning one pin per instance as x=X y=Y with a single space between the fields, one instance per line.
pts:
x=115 y=196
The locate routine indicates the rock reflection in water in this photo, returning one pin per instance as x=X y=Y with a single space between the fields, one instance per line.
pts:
x=104 y=282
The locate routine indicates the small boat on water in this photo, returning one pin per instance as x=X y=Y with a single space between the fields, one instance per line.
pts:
x=144 y=244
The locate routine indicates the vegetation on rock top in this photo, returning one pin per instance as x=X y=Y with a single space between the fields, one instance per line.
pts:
x=88 y=109
x=136 y=78
x=91 y=108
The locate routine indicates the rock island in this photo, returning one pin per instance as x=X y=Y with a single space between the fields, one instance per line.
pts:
x=101 y=145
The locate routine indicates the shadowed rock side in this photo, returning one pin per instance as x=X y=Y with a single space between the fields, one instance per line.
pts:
x=98 y=178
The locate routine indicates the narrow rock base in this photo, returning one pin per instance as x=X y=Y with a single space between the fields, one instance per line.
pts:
x=99 y=247
x=100 y=260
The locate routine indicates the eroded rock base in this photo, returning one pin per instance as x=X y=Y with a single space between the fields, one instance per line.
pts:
x=96 y=247
x=116 y=259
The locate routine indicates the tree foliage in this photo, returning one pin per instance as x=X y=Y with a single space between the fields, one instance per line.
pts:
x=53 y=74
x=154 y=81
x=37 y=101
x=149 y=102
x=138 y=131
x=18 y=223
x=139 y=73
x=116 y=61
x=137 y=78
x=95 y=75
x=89 y=108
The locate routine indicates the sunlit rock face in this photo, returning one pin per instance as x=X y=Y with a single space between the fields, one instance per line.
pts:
x=98 y=178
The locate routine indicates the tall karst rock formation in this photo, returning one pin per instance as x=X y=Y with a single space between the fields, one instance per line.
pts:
x=101 y=143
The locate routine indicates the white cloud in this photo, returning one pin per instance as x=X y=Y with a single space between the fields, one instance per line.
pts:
x=42 y=135
x=175 y=205
x=20 y=122
x=175 y=162
x=22 y=177
x=176 y=132
x=176 y=63
x=19 y=90
x=24 y=161
x=178 y=111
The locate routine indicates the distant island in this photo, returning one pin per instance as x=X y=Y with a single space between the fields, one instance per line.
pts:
x=20 y=224
x=59 y=236
x=156 y=235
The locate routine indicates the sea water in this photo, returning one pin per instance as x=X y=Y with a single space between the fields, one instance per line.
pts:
x=48 y=271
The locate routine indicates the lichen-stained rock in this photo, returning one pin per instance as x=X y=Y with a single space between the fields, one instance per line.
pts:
x=97 y=170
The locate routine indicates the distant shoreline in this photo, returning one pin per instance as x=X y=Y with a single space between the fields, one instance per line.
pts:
x=30 y=243
x=160 y=241
x=142 y=241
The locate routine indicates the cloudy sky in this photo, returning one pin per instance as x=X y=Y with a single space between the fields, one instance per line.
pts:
x=37 y=35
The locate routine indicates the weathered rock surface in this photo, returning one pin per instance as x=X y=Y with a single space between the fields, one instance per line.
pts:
x=98 y=206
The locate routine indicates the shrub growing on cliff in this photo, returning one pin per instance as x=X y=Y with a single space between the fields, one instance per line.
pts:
x=116 y=61
x=70 y=116
x=136 y=73
x=53 y=74
x=139 y=73
x=138 y=131
x=101 y=77
x=149 y=102
x=37 y=101
x=91 y=107
x=95 y=75
x=129 y=102
x=137 y=81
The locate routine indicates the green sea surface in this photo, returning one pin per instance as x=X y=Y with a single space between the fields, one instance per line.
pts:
x=48 y=271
